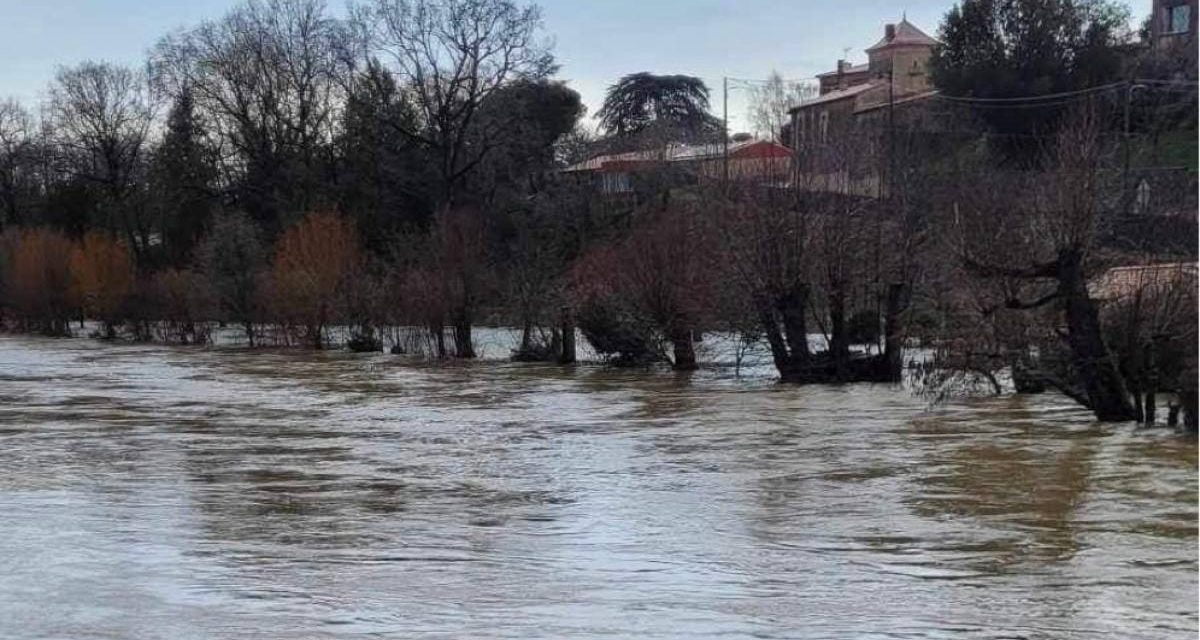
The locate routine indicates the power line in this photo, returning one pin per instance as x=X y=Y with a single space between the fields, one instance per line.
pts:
x=1188 y=83
x=1047 y=96
x=1033 y=105
x=1057 y=99
x=765 y=81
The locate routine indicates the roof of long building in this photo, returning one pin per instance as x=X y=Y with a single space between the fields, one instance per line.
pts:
x=675 y=153
x=834 y=95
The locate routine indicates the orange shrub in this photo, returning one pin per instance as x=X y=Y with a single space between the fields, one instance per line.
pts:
x=37 y=278
x=8 y=248
x=102 y=277
x=315 y=264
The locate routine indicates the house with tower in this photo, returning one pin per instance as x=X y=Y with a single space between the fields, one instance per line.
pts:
x=852 y=98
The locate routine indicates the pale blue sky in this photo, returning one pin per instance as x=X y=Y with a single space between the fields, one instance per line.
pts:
x=596 y=41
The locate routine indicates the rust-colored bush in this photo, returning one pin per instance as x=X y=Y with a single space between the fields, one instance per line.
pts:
x=37 y=277
x=183 y=303
x=315 y=264
x=420 y=300
x=8 y=247
x=650 y=287
x=102 y=278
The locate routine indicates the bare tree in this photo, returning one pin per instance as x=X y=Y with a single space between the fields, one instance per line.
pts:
x=452 y=55
x=16 y=157
x=460 y=256
x=770 y=102
x=1041 y=235
x=266 y=78
x=766 y=243
x=102 y=114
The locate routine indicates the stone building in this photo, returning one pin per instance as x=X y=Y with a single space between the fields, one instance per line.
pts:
x=1173 y=23
x=1173 y=36
x=831 y=133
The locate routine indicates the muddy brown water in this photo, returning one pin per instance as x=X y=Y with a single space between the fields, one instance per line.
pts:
x=161 y=492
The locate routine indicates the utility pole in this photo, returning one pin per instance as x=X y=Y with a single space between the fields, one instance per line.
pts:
x=887 y=188
x=725 y=126
x=1125 y=174
x=891 y=127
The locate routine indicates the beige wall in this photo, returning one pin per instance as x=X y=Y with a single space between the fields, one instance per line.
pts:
x=910 y=65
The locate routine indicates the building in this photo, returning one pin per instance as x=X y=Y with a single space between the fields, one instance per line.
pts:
x=748 y=160
x=1128 y=282
x=896 y=69
x=853 y=97
x=846 y=75
x=1172 y=27
x=1173 y=23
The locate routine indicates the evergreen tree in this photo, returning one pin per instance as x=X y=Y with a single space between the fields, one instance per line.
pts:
x=183 y=177
x=1020 y=48
x=674 y=106
x=384 y=177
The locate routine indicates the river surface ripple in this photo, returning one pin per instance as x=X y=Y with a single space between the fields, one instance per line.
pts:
x=175 y=493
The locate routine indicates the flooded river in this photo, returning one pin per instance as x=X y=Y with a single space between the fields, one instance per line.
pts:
x=175 y=493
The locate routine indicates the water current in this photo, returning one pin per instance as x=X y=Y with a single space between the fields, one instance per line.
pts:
x=184 y=493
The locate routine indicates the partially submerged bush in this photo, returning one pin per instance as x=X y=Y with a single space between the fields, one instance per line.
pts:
x=316 y=262
x=102 y=279
x=184 y=303
x=230 y=259
x=618 y=334
x=364 y=343
x=37 y=280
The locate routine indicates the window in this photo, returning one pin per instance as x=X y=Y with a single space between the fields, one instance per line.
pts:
x=800 y=119
x=1141 y=202
x=1177 y=19
x=824 y=126
x=615 y=183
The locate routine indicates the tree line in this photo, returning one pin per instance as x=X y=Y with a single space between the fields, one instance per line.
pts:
x=392 y=177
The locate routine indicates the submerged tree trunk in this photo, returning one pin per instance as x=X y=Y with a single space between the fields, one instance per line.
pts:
x=784 y=324
x=893 y=332
x=1025 y=378
x=792 y=309
x=684 y=352
x=526 y=337
x=463 y=346
x=839 y=342
x=438 y=331
x=779 y=351
x=528 y=351
x=567 y=335
x=1188 y=403
x=1091 y=358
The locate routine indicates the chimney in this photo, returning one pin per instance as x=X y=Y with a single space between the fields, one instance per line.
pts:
x=889 y=32
x=842 y=66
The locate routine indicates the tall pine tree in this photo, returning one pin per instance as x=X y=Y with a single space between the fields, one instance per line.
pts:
x=184 y=181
